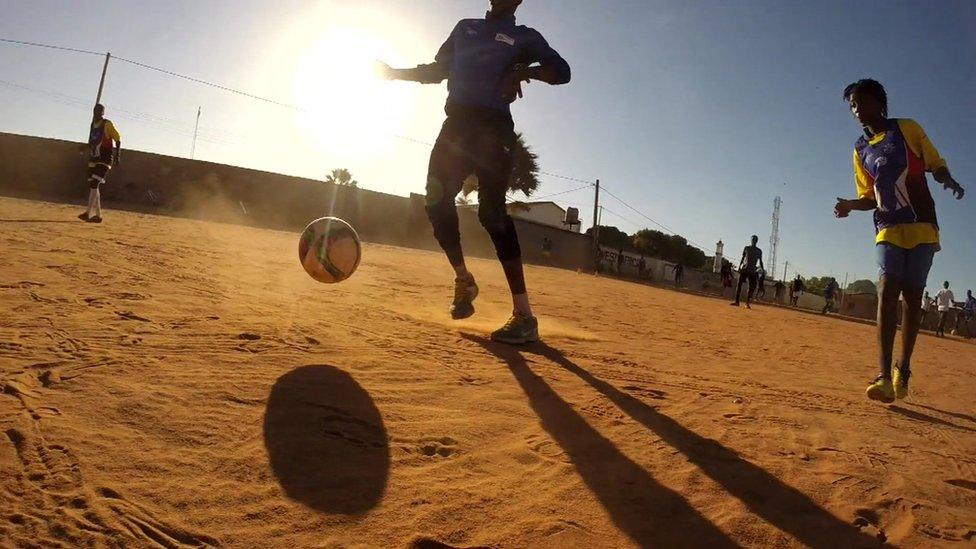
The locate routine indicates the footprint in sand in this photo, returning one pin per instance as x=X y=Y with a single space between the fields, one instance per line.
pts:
x=83 y=514
x=440 y=447
x=129 y=315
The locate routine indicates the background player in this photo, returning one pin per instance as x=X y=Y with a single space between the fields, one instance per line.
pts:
x=102 y=155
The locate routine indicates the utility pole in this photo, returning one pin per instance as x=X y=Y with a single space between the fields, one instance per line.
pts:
x=101 y=83
x=596 y=222
x=843 y=293
x=193 y=148
x=785 y=267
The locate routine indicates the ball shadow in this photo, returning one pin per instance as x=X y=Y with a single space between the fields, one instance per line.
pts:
x=325 y=440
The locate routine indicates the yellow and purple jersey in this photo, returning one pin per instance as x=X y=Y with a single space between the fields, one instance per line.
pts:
x=103 y=133
x=889 y=167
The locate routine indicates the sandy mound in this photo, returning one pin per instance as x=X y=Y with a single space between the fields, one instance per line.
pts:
x=178 y=383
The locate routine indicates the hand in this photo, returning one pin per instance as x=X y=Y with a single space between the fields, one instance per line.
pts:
x=512 y=84
x=843 y=207
x=955 y=187
x=383 y=70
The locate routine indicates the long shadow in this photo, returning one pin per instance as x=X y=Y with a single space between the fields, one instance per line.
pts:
x=946 y=412
x=326 y=441
x=919 y=416
x=651 y=514
x=39 y=221
x=765 y=495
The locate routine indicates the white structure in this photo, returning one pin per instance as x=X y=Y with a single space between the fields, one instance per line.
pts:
x=774 y=235
x=717 y=266
x=545 y=213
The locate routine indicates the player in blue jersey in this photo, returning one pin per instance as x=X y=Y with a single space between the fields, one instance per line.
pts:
x=485 y=62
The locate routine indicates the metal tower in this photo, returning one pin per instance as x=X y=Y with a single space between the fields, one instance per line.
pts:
x=774 y=236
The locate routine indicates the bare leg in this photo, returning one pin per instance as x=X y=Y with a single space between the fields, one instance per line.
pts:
x=912 y=317
x=888 y=290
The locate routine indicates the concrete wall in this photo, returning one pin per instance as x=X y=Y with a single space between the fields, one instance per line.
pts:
x=51 y=169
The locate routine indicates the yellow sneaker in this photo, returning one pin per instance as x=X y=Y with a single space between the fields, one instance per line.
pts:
x=900 y=381
x=882 y=389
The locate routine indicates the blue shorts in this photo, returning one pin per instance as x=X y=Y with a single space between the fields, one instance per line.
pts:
x=909 y=267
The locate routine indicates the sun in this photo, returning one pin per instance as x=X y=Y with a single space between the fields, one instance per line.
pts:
x=347 y=109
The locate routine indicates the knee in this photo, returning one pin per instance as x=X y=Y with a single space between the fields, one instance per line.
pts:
x=888 y=289
x=93 y=183
x=494 y=221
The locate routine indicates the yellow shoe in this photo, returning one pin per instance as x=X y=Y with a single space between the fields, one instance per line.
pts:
x=901 y=381
x=882 y=389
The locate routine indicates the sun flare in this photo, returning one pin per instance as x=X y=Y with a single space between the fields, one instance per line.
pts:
x=347 y=108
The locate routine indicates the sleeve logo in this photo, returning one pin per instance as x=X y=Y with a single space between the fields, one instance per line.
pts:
x=501 y=37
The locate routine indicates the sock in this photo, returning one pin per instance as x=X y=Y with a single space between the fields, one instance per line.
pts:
x=98 y=203
x=91 y=201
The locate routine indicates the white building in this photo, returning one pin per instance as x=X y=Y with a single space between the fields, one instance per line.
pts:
x=545 y=213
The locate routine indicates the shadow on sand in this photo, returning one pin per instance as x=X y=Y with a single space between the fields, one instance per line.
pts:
x=646 y=511
x=326 y=441
x=919 y=416
x=40 y=221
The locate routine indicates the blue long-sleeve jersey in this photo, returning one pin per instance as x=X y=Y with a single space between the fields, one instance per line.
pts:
x=480 y=53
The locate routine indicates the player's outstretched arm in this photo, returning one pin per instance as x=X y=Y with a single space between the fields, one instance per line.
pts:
x=943 y=176
x=844 y=206
x=434 y=73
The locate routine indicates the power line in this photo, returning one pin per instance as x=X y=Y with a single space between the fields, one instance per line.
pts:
x=561 y=193
x=228 y=89
x=661 y=225
x=50 y=46
x=211 y=84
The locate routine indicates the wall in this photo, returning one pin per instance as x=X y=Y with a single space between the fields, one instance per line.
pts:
x=51 y=169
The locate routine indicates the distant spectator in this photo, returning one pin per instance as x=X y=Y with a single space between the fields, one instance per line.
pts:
x=679 y=273
x=943 y=301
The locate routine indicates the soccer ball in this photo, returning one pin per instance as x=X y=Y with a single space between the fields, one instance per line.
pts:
x=954 y=332
x=329 y=250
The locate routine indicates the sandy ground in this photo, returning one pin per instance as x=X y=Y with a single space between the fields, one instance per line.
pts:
x=174 y=383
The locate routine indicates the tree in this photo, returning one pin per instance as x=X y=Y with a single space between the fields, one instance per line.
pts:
x=341 y=177
x=525 y=168
x=613 y=237
x=524 y=177
x=673 y=248
x=862 y=287
x=815 y=285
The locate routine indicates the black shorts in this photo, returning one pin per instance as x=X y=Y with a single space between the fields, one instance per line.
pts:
x=475 y=141
x=97 y=173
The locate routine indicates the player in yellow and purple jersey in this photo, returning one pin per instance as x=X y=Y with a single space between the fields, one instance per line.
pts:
x=890 y=161
x=105 y=146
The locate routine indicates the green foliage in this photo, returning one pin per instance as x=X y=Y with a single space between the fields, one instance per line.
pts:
x=342 y=177
x=862 y=287
x=613 y=237
x=673 y=248
x=525 y=168
x=816 y=285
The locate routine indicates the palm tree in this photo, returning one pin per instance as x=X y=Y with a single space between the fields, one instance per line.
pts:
x=525 y=168
x=525 y=171
x=341 y=177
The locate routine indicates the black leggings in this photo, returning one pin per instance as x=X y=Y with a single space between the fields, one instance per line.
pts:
x=479 y=142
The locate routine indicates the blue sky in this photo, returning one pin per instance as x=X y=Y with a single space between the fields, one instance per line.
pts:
x=695 y=113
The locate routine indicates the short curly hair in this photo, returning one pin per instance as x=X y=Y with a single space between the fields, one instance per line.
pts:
x=871 y=87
